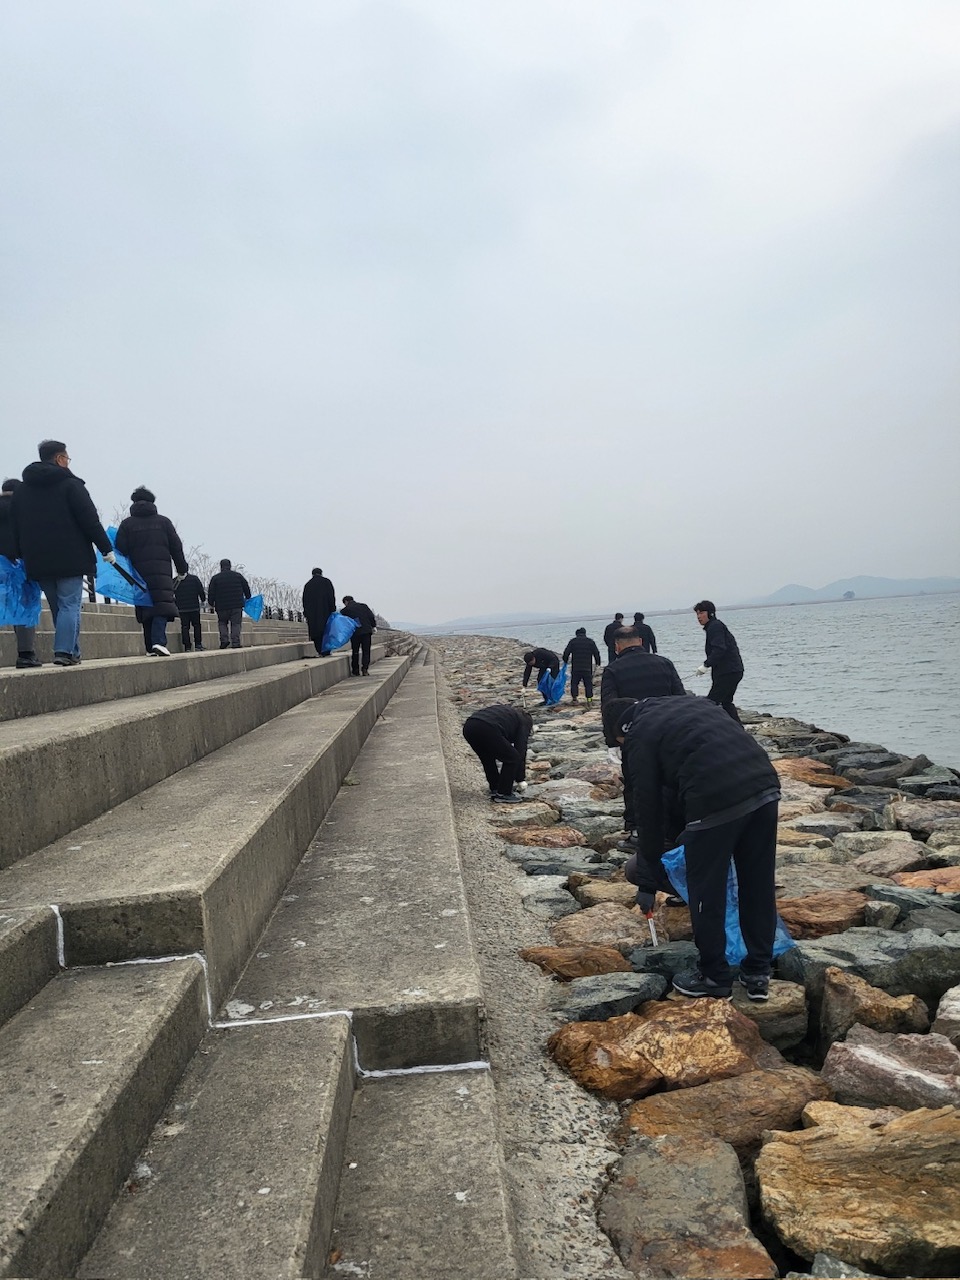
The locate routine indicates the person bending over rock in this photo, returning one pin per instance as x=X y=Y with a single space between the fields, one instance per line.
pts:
x=360 y=640
x=685 y=752
x=582 y=653
x=723 y=659
x=499 y=737
x=543 y=660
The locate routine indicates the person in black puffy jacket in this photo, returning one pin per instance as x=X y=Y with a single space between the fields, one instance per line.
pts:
x=499 y=737
x=543 y=660
x=609 y=631
x=190 y=595
x=722 y=659
x=581 y=652
x=150 y=541
x=688 y=753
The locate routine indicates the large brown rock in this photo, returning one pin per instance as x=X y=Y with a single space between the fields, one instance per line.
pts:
x=848 y=1000
x=834 y=1115
x=737 y=1110
x=893 y=857
x=787 y=836
x=819 y=914
x=922 y=817
x=606 y=925
x=812 y=772
x=620 y=891
x=876 y=1069
x=678 y=1207
x=557 y=837
x=883 y=1198
x=662 y=1046
x=534 y=813
x=942 y=879
x=597 y=773
x=781 y=1019
x=567 y=963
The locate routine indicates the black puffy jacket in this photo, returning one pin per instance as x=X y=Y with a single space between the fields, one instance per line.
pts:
x=228 y=590
x=581 y=652
x=151 y=542
x=55 y=524
x=363 y=614
x=723 y=656
x=638 y=674
x=7 y=544
x=189 y=594
x=691 y=747
x=514 y=724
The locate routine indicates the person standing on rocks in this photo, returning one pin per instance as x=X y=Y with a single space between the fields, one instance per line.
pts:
x=26 y=636
x=55 y=528
x=151 y=542
x=190 y=595
x=722 y=659
x=684 y=753
x=319 y=601
x=498 y=735
x=645 y=633
x=582 y=653
x=635 y=674
x=361 y=638
x=227 y=593
x=543 y=660
x=609 y=631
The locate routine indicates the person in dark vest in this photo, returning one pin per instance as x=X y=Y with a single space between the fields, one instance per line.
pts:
x=722 y=659
x=685 y=751
x=190 y=596
x=227 y=592
x=26 y=636
x=609 y=631
x=499 y=737
x=319 y=601
x=581 y=652
x=55 y=528
x=645 y=632
x=361 y=638
x=543 y=660
x=151 y=542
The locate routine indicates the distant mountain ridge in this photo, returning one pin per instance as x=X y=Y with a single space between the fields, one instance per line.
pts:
x=862 y=586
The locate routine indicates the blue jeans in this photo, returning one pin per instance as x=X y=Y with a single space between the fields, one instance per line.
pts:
x=64 y=596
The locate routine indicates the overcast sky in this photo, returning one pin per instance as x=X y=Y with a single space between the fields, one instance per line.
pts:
x=508 y=306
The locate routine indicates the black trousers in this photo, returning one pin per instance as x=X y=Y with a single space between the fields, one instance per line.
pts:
x=190 y=618
x=491 y=746
x=751 y=842
x=722 y=689
x=611 y=654
x=576 y=677
x=360 y=652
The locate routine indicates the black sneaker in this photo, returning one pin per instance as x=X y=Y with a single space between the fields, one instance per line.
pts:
x=65 y=660
x=27 y=660
x=757 y=985
x=630 y=844
x=511 y=799
x=695 y=984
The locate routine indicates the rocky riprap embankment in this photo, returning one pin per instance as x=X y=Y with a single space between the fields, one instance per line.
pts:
x=820 y=1130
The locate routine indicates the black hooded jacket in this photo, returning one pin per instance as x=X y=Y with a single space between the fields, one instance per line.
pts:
x=723 y=656
x=582 y=653
x=319 y=601
x=638 y=674
x=691 y=748
x=55 y=524
x=151 y=541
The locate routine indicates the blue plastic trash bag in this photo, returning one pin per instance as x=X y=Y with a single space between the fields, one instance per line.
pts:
x=253 y=608
x=676 y=868
x=19 y=595
x=337 y=632
x=552 y=687
x=114 y=585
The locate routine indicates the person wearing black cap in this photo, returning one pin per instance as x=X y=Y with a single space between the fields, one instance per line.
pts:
x=498 y=735
x=151 y=542
x=722 y=659
x=645 y=632
x=319 y=601
x=609 y=631
x=582 y=653
x=26 y=636
x=543 y=660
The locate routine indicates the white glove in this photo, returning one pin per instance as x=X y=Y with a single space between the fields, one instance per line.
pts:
x=111 y=557
x=521 y=786
x=701 y=671
x=613 y=755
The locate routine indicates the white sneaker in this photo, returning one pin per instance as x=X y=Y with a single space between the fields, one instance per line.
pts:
x=160 y=650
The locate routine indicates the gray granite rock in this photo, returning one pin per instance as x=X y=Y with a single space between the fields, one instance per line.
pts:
x=913 y=899
x=920 y=783
x=857 y=842
x=947 y=1021
x=880 y=915
x=826 y=1267
x=667 y=959
x=936 y=918
x=946 y=835
x=605 y=995
x=828 y=824
x=546 y=898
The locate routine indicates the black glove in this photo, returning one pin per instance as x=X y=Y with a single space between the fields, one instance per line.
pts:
x=645 y=901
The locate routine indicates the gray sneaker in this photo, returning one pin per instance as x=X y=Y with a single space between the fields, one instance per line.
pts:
x=757 y=986
x=499 y=799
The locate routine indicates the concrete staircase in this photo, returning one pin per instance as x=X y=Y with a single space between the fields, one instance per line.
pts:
x=216 y=1017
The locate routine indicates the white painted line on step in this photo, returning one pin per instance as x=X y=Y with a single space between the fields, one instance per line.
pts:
x=192 y=955
x=61 y=954
x=290 y=1017
x=422 y=1071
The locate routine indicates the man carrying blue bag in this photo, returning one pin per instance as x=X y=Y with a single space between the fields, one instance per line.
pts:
x=687 y=753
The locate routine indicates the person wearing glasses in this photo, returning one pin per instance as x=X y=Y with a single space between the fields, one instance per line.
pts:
x=55 y=528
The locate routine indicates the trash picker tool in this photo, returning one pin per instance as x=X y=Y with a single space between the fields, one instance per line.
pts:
x=653 y=929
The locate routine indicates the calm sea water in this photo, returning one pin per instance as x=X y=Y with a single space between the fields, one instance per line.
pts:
x=884 y=671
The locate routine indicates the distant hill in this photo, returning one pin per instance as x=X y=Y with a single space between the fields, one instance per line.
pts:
x=483 y=620
x=862 y=587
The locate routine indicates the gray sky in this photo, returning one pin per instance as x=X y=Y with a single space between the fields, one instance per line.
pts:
x=509 y=306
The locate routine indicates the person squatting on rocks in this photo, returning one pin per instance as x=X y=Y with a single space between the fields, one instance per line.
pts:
x=360 y=640
x=609 y=631
x=500 y=733
x=723 y=659
x=150 y=541
x=582 y=653
x=543 y=660
x=685 y=754
x=227 y=593
x=635 y=674
x=319 y=601
x=190 y=595
x=55 y=528
x=26 y=636
x=645 y=633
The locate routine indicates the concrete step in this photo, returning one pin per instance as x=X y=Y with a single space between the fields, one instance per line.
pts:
x=198 y=861
x=28 y=956
x=422 y=1193
x=123 y=618
x=87 y=1067
x=62 y=769
x=127 y=642
x=244 y=1164
x=375 y=918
